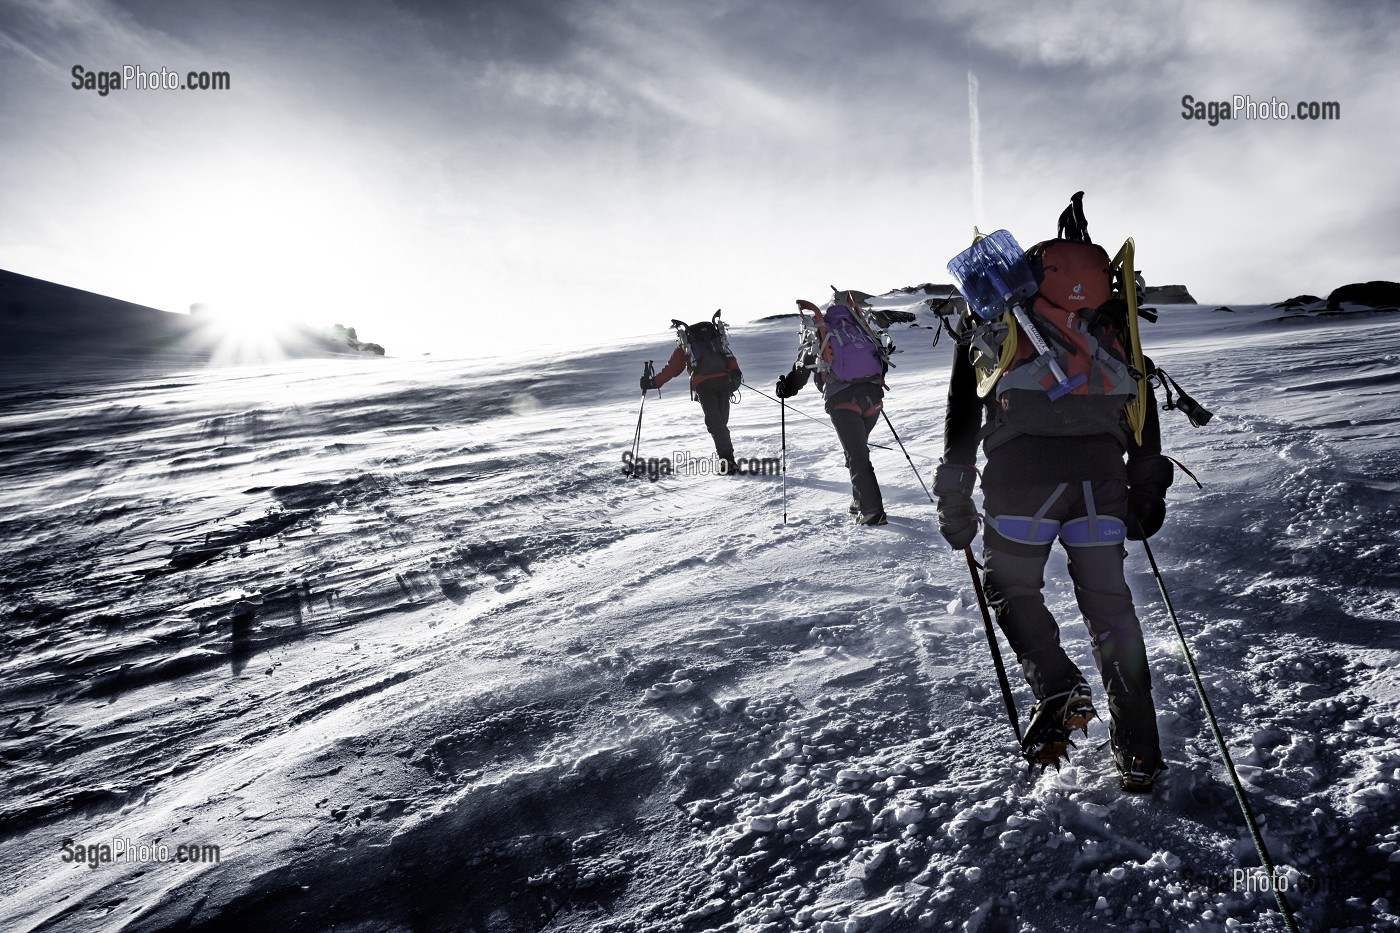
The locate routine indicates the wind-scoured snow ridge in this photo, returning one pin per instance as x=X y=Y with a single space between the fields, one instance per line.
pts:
x=405 y=645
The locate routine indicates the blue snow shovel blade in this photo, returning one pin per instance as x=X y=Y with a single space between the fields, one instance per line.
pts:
x=992 y=274
x=1066 y=387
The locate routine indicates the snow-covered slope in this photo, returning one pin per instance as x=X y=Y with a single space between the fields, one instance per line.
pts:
x=401 y=642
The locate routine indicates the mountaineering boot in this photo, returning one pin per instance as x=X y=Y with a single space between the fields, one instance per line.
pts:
x=1136 y=774
x=872 y=518
x=855 y=506
x=729 y=466
x=1052 y=720
x=1079 y=708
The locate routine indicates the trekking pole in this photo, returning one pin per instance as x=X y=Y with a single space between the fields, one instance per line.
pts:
x=798 y=410
x=1260 y=848
x=906 y=456
x=825 y=424
x=784 y=422
x=992 y=643
x=637 y=437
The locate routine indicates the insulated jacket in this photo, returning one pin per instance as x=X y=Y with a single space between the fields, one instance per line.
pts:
x=1029 y=459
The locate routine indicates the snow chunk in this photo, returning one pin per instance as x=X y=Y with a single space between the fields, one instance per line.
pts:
x=664 y=691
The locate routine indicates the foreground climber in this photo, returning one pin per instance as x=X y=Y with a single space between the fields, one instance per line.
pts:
x=1055 y=406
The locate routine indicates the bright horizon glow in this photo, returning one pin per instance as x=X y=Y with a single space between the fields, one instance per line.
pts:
x=244 y=334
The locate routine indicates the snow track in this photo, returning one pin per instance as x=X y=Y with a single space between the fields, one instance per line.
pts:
x=404 y=644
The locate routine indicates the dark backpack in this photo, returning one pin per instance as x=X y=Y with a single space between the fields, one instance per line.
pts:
x=707 y=351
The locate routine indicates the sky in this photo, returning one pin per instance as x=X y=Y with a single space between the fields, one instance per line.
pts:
x=476 y=178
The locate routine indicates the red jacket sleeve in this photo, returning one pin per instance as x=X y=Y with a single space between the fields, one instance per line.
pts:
x=674 y=367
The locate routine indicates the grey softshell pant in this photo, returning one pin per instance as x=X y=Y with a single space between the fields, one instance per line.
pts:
x=854 y=414
x=715 y=405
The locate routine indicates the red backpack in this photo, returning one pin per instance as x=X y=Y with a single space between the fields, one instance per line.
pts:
x=1075 y=311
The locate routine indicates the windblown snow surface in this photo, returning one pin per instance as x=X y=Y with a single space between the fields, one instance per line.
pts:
x=400 y=641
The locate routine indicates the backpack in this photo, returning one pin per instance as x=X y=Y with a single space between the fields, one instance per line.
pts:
x=1077 y=316
x=1083 y=319
x=706 y=348
x=848 y=348
x=707 y=353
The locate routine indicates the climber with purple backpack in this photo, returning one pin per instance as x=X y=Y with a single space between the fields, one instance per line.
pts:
x=850 y=358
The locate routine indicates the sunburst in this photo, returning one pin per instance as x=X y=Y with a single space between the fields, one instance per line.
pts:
x=242 y=334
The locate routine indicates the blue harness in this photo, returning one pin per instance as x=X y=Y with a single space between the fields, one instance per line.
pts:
x=1092 y=530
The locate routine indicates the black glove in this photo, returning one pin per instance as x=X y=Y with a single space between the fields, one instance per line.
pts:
x=1148 y=480
x=1146 y=513
x=785 y=386
x=648 y=383
x=957 y=515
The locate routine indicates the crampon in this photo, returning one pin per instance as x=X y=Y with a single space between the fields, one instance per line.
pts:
x=1137 y=775
x=1052 y=720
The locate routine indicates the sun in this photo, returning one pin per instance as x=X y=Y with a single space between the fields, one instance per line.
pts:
x=242 y=333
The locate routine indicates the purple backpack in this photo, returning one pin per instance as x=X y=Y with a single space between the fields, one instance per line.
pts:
x=849 y=350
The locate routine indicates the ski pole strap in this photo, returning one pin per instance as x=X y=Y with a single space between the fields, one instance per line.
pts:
x=1187 y=471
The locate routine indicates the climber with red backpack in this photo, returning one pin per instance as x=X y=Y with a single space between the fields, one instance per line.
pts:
x=703 y=350
x=850 y=357
x=1049 y=376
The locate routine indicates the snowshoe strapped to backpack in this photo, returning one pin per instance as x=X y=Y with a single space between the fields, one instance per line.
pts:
x=848 y=348
x=707 y=353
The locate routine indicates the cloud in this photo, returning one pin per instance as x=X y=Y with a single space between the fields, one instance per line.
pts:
x=412 y=163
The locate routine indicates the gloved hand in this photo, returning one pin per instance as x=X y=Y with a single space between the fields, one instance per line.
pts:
x=1146 y=514
x=957 y=515
x=648 y=383
x=1148 y=479
x=785 y=386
